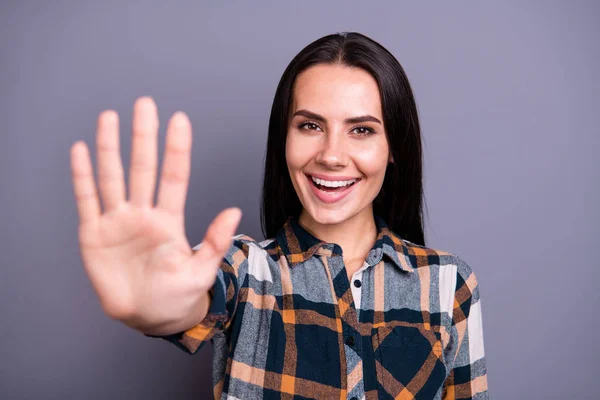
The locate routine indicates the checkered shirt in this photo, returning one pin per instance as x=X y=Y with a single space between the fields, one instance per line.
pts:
x=286 y=322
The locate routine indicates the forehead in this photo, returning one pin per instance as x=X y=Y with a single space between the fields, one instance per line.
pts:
x=336 y=91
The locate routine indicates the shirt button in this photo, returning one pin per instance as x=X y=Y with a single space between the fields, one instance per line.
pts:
x=350 y=340
x=357 y=283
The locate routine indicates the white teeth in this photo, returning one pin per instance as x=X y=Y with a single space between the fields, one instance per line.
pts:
x=332 y=183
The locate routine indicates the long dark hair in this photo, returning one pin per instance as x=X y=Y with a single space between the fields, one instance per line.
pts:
x=400 y=200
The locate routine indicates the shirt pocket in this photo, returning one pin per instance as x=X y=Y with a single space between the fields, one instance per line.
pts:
x=409 y=362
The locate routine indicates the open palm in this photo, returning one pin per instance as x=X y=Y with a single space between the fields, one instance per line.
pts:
x=135 y=253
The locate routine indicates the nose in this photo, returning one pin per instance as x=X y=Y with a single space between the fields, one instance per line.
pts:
x=333 y=152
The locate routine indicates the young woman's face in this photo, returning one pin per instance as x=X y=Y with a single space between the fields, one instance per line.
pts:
x=336 y=134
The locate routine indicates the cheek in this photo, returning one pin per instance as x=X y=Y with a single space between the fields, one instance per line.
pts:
x=372 y=160
x=296 y=154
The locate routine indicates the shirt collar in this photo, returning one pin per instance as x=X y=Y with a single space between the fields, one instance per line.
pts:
x=298 y=245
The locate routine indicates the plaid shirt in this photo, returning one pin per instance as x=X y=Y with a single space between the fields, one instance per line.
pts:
x=287 y=323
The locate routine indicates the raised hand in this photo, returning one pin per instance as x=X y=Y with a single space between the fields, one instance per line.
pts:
x=135 y=253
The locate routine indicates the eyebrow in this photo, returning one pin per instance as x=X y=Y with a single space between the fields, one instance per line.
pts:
x=353 y=120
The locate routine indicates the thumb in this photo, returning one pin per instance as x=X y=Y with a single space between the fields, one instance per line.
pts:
x=217 y=240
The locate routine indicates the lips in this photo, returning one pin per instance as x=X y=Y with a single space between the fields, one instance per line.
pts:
x=330 y=196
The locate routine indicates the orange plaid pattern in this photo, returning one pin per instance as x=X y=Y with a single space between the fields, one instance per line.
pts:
x=286 y=322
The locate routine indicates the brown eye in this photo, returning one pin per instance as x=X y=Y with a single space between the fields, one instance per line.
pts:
x=363 y=130
x=311 y=126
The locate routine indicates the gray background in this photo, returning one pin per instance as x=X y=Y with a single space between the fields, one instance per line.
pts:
x=508 y=95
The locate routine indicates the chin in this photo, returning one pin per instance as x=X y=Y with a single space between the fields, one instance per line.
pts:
x=328 y=217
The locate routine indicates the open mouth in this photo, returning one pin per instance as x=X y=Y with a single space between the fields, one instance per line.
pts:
x=332 y=187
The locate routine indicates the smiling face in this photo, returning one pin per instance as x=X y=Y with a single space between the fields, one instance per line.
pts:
x=336 y=134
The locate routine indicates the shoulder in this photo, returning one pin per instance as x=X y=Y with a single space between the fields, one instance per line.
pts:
x=247 y=244
x=239 y=241
x=241 y=248
x=256 y=253
x=246 y=255
x=453 y=265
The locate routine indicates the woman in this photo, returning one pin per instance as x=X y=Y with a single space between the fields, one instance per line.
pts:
x=343 y=300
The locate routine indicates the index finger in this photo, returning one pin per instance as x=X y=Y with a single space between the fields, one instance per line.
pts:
x=84 y=187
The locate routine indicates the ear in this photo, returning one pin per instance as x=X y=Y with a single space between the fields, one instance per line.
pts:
x=391 y=159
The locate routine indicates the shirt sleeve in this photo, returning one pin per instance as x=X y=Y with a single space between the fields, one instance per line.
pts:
x=468 y=374
x=224 y=300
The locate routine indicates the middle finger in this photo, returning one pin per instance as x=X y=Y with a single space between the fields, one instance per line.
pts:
x=142 y=172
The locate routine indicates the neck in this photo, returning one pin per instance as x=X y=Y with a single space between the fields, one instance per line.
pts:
x=355 y=235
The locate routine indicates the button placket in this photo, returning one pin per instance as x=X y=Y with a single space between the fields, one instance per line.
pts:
x=343 y=285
